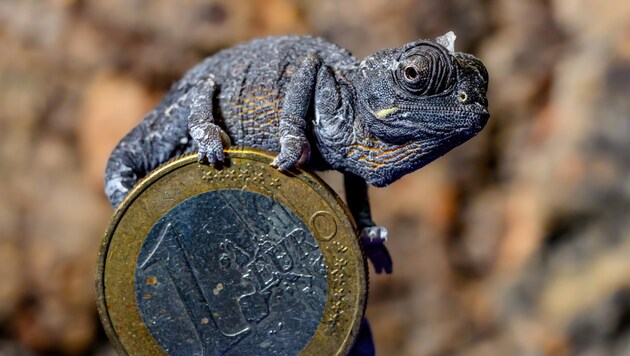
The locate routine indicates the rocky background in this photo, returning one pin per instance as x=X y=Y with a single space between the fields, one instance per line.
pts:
x=516 y=243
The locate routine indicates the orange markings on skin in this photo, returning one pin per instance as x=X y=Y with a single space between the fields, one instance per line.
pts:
x=399 y=153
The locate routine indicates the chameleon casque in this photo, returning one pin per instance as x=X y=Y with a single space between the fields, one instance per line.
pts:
x=316 y=105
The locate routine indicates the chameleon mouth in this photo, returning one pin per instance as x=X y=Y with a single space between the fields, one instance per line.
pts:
x=478 y=118
x=483 y=119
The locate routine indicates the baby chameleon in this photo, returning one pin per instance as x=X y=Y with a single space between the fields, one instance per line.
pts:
x=316 y=105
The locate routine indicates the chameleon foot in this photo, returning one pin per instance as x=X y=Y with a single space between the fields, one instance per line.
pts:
x=373 y=239
x=373 y=235
x=210 y=143
x=293 y=150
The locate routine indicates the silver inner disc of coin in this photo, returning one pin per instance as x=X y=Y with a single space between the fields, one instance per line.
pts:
x=231 y=272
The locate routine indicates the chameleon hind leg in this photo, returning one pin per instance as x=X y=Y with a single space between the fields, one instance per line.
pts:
x=164 y=134
x=158 y=138
x=372 y=237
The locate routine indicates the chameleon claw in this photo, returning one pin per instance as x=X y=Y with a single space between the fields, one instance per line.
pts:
x=281 y=164
x=211 y=156
x=215 y=155
x=220 y=156
x=211 y=159
x=275 y=163
x=374 y=235
x=203 y=156
x=373 y=239
x=285 y=166
x=293 y=150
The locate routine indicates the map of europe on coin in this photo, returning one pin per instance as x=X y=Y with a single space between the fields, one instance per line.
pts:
x=237 y=259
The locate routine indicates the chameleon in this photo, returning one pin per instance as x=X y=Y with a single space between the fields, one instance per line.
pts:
x=316 y=105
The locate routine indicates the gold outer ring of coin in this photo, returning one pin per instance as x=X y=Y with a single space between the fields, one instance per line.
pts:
x=301 y=191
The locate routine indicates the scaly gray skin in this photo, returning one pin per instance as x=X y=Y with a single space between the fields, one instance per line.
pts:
x=311 y=101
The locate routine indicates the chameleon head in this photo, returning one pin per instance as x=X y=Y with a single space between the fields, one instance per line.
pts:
x=421 y=100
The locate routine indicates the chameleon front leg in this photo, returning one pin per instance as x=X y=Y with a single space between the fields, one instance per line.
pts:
x=209 y=136
x=294 y=146
x=372 y=237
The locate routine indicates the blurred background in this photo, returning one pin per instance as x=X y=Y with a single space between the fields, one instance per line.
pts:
x=516 y=243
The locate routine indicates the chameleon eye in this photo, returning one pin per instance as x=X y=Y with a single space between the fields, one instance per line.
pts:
x=462 y=96
x=425 y=70
x=416 y=73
